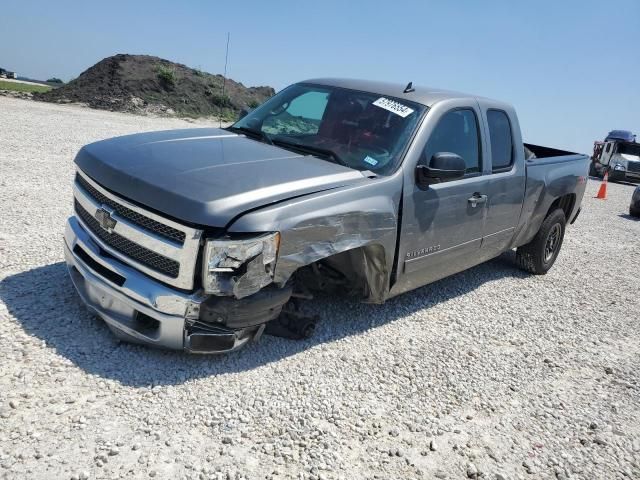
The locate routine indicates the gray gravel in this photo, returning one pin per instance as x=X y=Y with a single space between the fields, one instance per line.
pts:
x=490 y=374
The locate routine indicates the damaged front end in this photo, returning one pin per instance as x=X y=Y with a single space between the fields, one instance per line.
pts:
x=244 y=300
x=237 y=274
x=226 y=323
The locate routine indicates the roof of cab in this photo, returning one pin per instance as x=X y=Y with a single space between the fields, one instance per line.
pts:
x=423 y=95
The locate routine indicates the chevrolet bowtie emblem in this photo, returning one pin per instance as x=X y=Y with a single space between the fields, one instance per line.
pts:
x=103 y=216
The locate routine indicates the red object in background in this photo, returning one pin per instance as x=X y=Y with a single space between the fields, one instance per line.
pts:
x=602 y=191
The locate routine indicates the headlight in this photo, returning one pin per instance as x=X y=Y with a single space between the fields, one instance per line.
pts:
x=619 y=167
x=239 y=267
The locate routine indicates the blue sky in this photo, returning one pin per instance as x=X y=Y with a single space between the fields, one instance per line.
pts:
x=571 y=67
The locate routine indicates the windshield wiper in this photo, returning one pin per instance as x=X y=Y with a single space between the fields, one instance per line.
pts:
x=325 y=152
x=256 y=134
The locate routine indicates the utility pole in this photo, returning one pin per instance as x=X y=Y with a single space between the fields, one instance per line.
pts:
x=224 y=77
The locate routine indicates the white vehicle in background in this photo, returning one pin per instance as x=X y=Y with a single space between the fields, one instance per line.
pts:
x=620 y=159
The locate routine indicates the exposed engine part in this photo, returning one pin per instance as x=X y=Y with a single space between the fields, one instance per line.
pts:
x=292 y=326
x=291 y=323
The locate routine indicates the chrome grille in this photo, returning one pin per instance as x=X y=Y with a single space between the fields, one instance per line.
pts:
x=156 y=246
x=633 y=167
x=157 y=262
x=137 y=218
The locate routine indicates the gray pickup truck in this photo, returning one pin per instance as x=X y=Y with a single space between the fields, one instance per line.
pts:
x=199 y=239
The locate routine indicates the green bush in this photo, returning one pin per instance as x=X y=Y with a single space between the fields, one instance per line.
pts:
x=254 y=103
x=54 y=80
x=167 y=75
x=222 y=101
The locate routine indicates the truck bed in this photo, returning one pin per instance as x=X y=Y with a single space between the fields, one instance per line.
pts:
x=551 y=174
x=541 y=152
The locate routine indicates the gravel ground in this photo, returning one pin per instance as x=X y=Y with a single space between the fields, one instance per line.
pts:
x=489 y=374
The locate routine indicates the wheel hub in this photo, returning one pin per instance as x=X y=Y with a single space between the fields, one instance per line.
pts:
x=553 y=241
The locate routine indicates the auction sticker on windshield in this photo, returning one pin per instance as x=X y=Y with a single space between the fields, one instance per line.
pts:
x=394 y=107
x=370 y=160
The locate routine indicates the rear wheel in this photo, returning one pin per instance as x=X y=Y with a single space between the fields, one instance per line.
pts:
x=634 y=212
x=539 y=255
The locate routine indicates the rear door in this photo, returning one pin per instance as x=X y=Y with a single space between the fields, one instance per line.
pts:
x=442 y=225
x=505 y=180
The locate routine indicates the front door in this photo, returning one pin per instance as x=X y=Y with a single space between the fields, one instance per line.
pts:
x=442 y=225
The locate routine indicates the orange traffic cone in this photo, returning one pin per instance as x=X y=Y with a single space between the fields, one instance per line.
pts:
x=602 y=191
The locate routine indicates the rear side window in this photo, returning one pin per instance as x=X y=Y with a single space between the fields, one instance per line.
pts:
x=501 y=140
x=456 y=132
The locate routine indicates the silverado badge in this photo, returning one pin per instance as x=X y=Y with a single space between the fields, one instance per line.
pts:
x=103 y=216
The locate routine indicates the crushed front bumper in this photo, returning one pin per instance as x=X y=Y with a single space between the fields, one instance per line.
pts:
x=139 y=309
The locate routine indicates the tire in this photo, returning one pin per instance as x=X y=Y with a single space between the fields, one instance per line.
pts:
x=634 y=212
x=593 y=171
x=539 y=255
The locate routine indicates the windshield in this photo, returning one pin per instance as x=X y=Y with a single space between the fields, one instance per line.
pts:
x=361 y=130
x=630 y=149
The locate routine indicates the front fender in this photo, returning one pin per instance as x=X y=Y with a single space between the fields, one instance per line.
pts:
x=322 y=225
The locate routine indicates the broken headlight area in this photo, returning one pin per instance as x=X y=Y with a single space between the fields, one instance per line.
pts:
x=239 y=268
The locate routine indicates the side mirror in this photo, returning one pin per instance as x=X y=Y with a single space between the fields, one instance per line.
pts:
x=244 y=112
x=443 y=166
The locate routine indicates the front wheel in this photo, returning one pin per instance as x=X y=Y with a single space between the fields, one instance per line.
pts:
x=539 y=255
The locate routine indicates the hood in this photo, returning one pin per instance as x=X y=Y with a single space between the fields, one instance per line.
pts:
x=206 y=176
x=629 y=157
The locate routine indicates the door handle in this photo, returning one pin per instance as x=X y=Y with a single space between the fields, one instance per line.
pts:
x=477 y=199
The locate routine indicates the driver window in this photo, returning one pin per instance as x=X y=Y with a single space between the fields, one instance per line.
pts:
x=456 y=132
x=301 y=117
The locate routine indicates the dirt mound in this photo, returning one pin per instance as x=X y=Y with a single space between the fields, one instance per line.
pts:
x=146 y=84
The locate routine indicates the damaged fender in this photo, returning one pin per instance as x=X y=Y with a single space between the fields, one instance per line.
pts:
x=325 y=224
